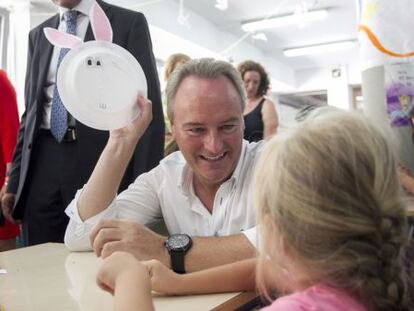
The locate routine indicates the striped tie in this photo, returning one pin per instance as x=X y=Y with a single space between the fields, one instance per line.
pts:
x=59 y=114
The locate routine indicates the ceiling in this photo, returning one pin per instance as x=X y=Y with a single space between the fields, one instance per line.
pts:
x=340 y=24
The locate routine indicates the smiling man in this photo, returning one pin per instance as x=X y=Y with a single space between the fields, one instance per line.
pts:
x=202 y=191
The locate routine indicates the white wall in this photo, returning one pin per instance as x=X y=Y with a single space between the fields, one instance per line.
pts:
x=338 y=89
x=17 y=48
x=286 y=117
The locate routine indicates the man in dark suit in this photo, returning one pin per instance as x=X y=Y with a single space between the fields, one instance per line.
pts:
x=47 y=172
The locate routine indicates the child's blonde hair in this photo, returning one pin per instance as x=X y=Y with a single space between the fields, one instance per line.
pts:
x=331 y=190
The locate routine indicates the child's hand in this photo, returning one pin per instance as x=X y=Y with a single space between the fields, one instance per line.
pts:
x=117 y=266
x=163 y=280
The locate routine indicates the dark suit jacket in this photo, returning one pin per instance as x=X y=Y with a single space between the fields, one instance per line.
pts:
x=130 y=30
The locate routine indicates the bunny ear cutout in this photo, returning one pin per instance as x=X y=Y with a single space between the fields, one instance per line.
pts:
x=61 y=39
x=101 y=27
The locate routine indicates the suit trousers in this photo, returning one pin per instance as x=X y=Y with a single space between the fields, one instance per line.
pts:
x=53 y=179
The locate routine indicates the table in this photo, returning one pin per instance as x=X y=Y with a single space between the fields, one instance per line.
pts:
x=49 y=277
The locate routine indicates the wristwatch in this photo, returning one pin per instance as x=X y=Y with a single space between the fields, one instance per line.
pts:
x=177 y=245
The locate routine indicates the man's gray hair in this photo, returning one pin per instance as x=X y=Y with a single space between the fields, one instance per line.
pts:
x=207 y=68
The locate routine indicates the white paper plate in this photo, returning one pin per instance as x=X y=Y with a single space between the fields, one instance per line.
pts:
x=98 y=83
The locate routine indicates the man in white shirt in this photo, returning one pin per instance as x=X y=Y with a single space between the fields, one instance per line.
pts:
x=202 y=191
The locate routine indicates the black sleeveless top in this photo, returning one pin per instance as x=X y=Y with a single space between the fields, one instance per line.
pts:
x=253 y=123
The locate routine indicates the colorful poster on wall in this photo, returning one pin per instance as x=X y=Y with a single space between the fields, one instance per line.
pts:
x=385 y=32
x=399 y=86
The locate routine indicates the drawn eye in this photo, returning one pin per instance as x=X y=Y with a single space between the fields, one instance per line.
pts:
x=89 y=61
x=98 y=63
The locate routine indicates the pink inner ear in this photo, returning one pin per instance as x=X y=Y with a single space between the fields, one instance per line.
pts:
x=101 y=27
x=61 y=39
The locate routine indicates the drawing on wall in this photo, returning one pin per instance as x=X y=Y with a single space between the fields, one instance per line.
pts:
x=382 y=40
x=399 y=87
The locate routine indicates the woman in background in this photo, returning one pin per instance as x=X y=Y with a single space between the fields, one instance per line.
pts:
x=260 y=116
x=9 y=125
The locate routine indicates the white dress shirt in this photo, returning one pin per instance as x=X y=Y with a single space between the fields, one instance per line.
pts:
x=81 y=26
x=167 y=192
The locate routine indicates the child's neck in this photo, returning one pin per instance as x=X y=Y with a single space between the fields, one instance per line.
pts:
x=300 y=277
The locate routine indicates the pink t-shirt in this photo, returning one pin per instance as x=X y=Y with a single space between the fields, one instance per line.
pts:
x=316 y=298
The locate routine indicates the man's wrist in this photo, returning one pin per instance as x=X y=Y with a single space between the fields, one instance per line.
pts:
x=120 y=148
x=177 y=246
x=165 y=255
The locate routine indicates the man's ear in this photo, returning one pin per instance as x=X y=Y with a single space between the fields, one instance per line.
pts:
x=172 y=129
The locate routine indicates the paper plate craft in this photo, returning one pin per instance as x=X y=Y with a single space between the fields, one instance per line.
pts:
x=98 y=81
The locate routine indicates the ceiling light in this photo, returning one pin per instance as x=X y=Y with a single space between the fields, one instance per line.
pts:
x=286 y=20
x=259 y=36
x=319 y=48
x=222 y=5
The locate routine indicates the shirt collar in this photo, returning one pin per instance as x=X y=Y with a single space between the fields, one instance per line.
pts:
x=83 y=7
x=186 y=178
x=238 y=170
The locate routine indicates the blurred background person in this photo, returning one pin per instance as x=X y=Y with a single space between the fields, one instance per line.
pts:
x=172 y=63
x=9 y=125
x=260 y=116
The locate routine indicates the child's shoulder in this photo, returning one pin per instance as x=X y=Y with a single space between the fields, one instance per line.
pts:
x=318 y=297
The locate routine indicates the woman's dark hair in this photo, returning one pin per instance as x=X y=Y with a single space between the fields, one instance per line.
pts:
x=250 y=65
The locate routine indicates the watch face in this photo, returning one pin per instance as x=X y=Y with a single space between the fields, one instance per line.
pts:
x=178 y=241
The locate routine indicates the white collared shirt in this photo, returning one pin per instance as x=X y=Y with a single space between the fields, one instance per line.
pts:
x=81 y=26
x=167 y=192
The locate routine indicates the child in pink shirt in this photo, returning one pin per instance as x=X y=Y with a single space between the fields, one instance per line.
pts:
x=332 y=226
x=317 y=297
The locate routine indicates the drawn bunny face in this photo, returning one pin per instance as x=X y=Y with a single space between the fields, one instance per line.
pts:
x=98 y=81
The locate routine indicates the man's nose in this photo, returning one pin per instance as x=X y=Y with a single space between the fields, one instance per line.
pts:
x=213 y=143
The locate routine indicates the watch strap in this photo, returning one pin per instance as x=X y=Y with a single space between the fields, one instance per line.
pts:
x=177 y=261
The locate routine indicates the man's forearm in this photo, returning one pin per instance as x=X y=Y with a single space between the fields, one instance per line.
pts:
x=103 y=184
x=208 y=252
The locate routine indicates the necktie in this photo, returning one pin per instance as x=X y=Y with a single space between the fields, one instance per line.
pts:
x=59 y=114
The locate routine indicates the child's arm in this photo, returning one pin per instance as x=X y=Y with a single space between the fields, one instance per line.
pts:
x=127 y=280
x=406 y=179
x=234 y=277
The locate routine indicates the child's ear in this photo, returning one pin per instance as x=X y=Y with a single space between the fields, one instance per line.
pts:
x=276 y=243
x=270 y=236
